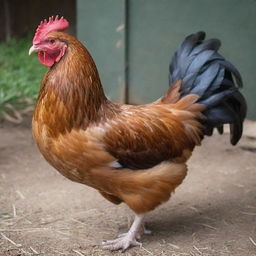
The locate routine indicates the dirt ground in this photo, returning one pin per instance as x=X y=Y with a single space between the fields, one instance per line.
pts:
x=212 y=213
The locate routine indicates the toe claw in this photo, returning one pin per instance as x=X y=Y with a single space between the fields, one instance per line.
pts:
x=121 y=243
x=147 y=232
x=110 y=242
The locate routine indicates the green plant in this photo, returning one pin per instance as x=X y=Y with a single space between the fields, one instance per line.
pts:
x=20 y=77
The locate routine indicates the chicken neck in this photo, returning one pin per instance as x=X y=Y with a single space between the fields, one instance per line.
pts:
x=72 y=90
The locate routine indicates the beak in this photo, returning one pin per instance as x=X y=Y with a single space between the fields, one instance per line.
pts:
x=33 y=49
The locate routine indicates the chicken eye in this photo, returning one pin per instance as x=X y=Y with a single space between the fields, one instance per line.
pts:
x=52 y=41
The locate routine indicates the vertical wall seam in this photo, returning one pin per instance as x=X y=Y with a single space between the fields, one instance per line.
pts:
x=126 y=51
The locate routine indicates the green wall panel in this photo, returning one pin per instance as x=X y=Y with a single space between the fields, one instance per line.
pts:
x=100 y=27
x=156 y=28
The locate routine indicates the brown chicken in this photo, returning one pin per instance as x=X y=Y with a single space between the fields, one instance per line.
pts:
x=131 y=154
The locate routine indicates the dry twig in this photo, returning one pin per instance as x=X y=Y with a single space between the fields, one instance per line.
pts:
x=143 y=248
x=253 y=242
x=206 y=225
x=14 y=211
x=79 y=253
x=197 y=250
x=174 y=246
x=8 y=239
x=33 y=250
x=20 y=194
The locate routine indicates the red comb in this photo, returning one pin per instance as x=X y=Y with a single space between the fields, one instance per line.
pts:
x=52 y=25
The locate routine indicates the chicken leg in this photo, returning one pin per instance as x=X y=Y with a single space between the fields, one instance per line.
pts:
x=127 y=240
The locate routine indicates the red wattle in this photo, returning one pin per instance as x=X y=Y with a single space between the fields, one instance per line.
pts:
x=49 y=59
x=45 y=59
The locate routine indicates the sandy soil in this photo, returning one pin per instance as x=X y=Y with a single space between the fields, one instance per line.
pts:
x=212 y=213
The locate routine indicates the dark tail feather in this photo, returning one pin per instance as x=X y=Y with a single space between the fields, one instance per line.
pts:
x=205 y=72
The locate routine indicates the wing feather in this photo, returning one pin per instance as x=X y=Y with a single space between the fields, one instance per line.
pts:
x=141 y=137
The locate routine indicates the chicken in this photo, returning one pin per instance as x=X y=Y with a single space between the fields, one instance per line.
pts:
x=131 y=154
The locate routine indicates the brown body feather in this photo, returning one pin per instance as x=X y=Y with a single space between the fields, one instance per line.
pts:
x=81 y=133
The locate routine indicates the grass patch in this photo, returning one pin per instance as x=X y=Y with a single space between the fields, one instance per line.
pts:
x=20 y=76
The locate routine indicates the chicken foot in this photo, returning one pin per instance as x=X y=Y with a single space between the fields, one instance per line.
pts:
x=143 y=231
x=128 y=239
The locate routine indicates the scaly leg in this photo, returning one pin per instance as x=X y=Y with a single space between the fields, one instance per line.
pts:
x=143 y=231
x=127 y=240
